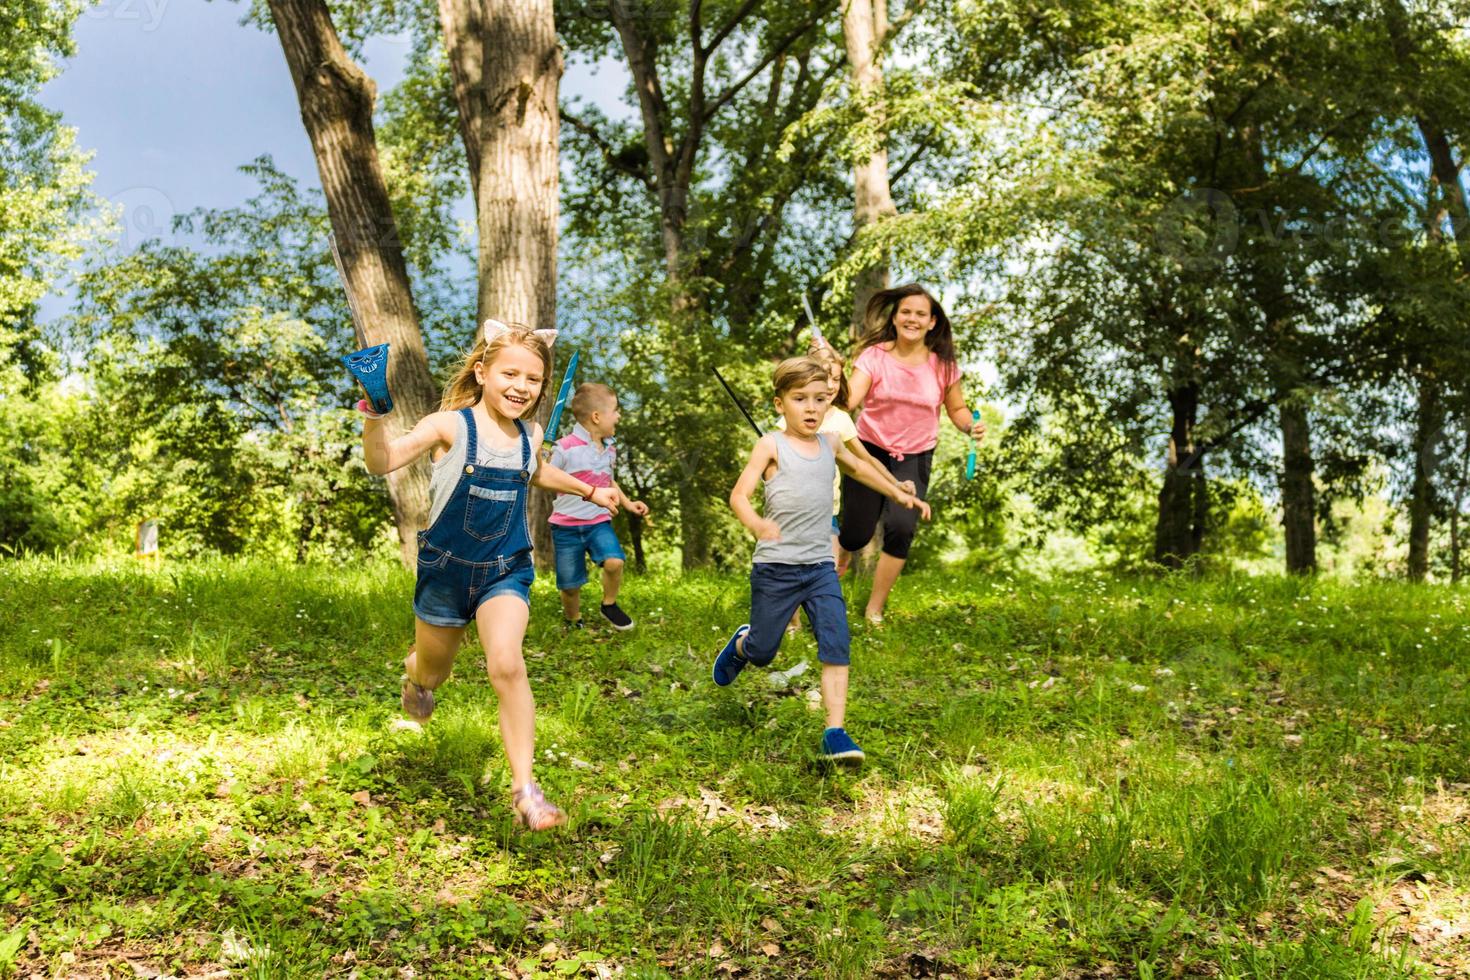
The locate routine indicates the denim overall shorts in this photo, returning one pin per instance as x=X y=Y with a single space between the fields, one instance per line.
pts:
x=480 y=545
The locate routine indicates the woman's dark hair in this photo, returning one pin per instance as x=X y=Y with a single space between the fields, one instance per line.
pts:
x=878 y=321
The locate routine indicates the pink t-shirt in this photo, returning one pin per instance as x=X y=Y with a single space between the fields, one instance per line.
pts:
x=901 y=412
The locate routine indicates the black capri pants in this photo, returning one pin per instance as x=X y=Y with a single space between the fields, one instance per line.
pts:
x=863 y=506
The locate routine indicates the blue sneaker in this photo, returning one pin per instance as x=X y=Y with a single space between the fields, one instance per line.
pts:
x=729 y=663
x=838 y=746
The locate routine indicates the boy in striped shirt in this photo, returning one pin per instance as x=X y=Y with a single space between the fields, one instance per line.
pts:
x=580 y=528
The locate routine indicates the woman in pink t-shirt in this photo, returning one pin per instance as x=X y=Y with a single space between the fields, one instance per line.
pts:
x=904 y=374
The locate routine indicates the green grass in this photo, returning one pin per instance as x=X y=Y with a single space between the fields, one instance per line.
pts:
x=1095 y=777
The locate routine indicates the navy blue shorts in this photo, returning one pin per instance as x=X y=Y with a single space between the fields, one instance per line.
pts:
x=449 y=591
x=571 y=542
x=775 y=593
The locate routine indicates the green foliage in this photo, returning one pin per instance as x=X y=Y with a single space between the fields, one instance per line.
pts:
x=211 y=398
x=43 y=187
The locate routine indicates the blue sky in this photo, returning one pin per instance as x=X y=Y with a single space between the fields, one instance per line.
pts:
x=172 y=96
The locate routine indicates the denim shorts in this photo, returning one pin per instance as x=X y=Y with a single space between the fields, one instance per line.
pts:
x=449 y=591
x=775 y=593
x=571 y=542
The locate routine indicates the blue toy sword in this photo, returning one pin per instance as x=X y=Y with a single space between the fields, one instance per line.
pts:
x=369 y=365
x=970 y=460
x=549 y=436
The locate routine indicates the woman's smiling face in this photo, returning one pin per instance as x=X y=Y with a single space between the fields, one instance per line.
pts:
x=913 y=319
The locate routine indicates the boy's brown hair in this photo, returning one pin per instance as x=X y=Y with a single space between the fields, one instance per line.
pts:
x=592 y=397
x=797 y=372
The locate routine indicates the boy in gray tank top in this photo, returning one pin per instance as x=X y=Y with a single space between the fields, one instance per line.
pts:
x=793 y=564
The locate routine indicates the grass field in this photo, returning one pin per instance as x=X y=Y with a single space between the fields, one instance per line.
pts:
x=1089 y=778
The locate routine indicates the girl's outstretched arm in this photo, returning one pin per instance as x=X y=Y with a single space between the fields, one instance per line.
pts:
x=959 y=413
x=384 y=455
x=558 y=480
x=862 y=471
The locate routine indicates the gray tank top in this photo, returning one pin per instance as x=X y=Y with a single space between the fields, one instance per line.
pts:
x=799 y=499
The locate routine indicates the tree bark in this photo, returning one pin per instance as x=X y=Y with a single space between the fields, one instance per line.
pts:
x=1461 y=482
x=517 y=193
x=635 y=523
x=864 y=25
x=1298 y=496
x=1444 y=170
x=463 y=25
x=336 y=99
x=1428 y=423
x=1179 y=529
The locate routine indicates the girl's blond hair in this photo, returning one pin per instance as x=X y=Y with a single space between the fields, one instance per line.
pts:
x=463 y=390
x=828 y=355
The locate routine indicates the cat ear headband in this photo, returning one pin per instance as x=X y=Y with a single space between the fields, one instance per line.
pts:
x=493 y=328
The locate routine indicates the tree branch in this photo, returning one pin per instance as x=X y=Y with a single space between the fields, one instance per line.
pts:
x=730 y=25
x=610 y=155
x=926 y=143
x=780 y=48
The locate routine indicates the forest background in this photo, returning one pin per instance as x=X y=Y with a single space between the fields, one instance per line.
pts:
x=1206 y=265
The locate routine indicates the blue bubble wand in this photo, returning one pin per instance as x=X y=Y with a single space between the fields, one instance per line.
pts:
x=970 y=460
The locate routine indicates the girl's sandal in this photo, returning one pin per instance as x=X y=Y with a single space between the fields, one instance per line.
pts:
x=533 y=812
x=417 y=700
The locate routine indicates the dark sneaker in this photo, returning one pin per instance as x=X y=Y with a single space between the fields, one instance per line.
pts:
x=838 y=746
x=571 y=624
x=614 y=614
x=730 y=663
x=417 y=701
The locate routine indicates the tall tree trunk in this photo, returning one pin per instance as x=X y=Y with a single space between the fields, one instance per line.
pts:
x=463 y=25
x=864 y=25
x=1461 y=482
x=1459 y=501
x=1298 y=496
x=1179 y=528
x=1444 y=170
x=636 y=524
x=1428 y=423
x=635 y=538
x=336 y=100
x=517 y=194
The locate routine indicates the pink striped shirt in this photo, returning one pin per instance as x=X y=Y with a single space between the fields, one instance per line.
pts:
x=901 y=411
x=589 y=462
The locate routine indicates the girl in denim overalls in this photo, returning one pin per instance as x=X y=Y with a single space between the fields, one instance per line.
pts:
x=475 y=558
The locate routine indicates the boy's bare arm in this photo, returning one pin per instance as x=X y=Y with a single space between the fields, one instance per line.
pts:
x=636 y=506
x=760 y=457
